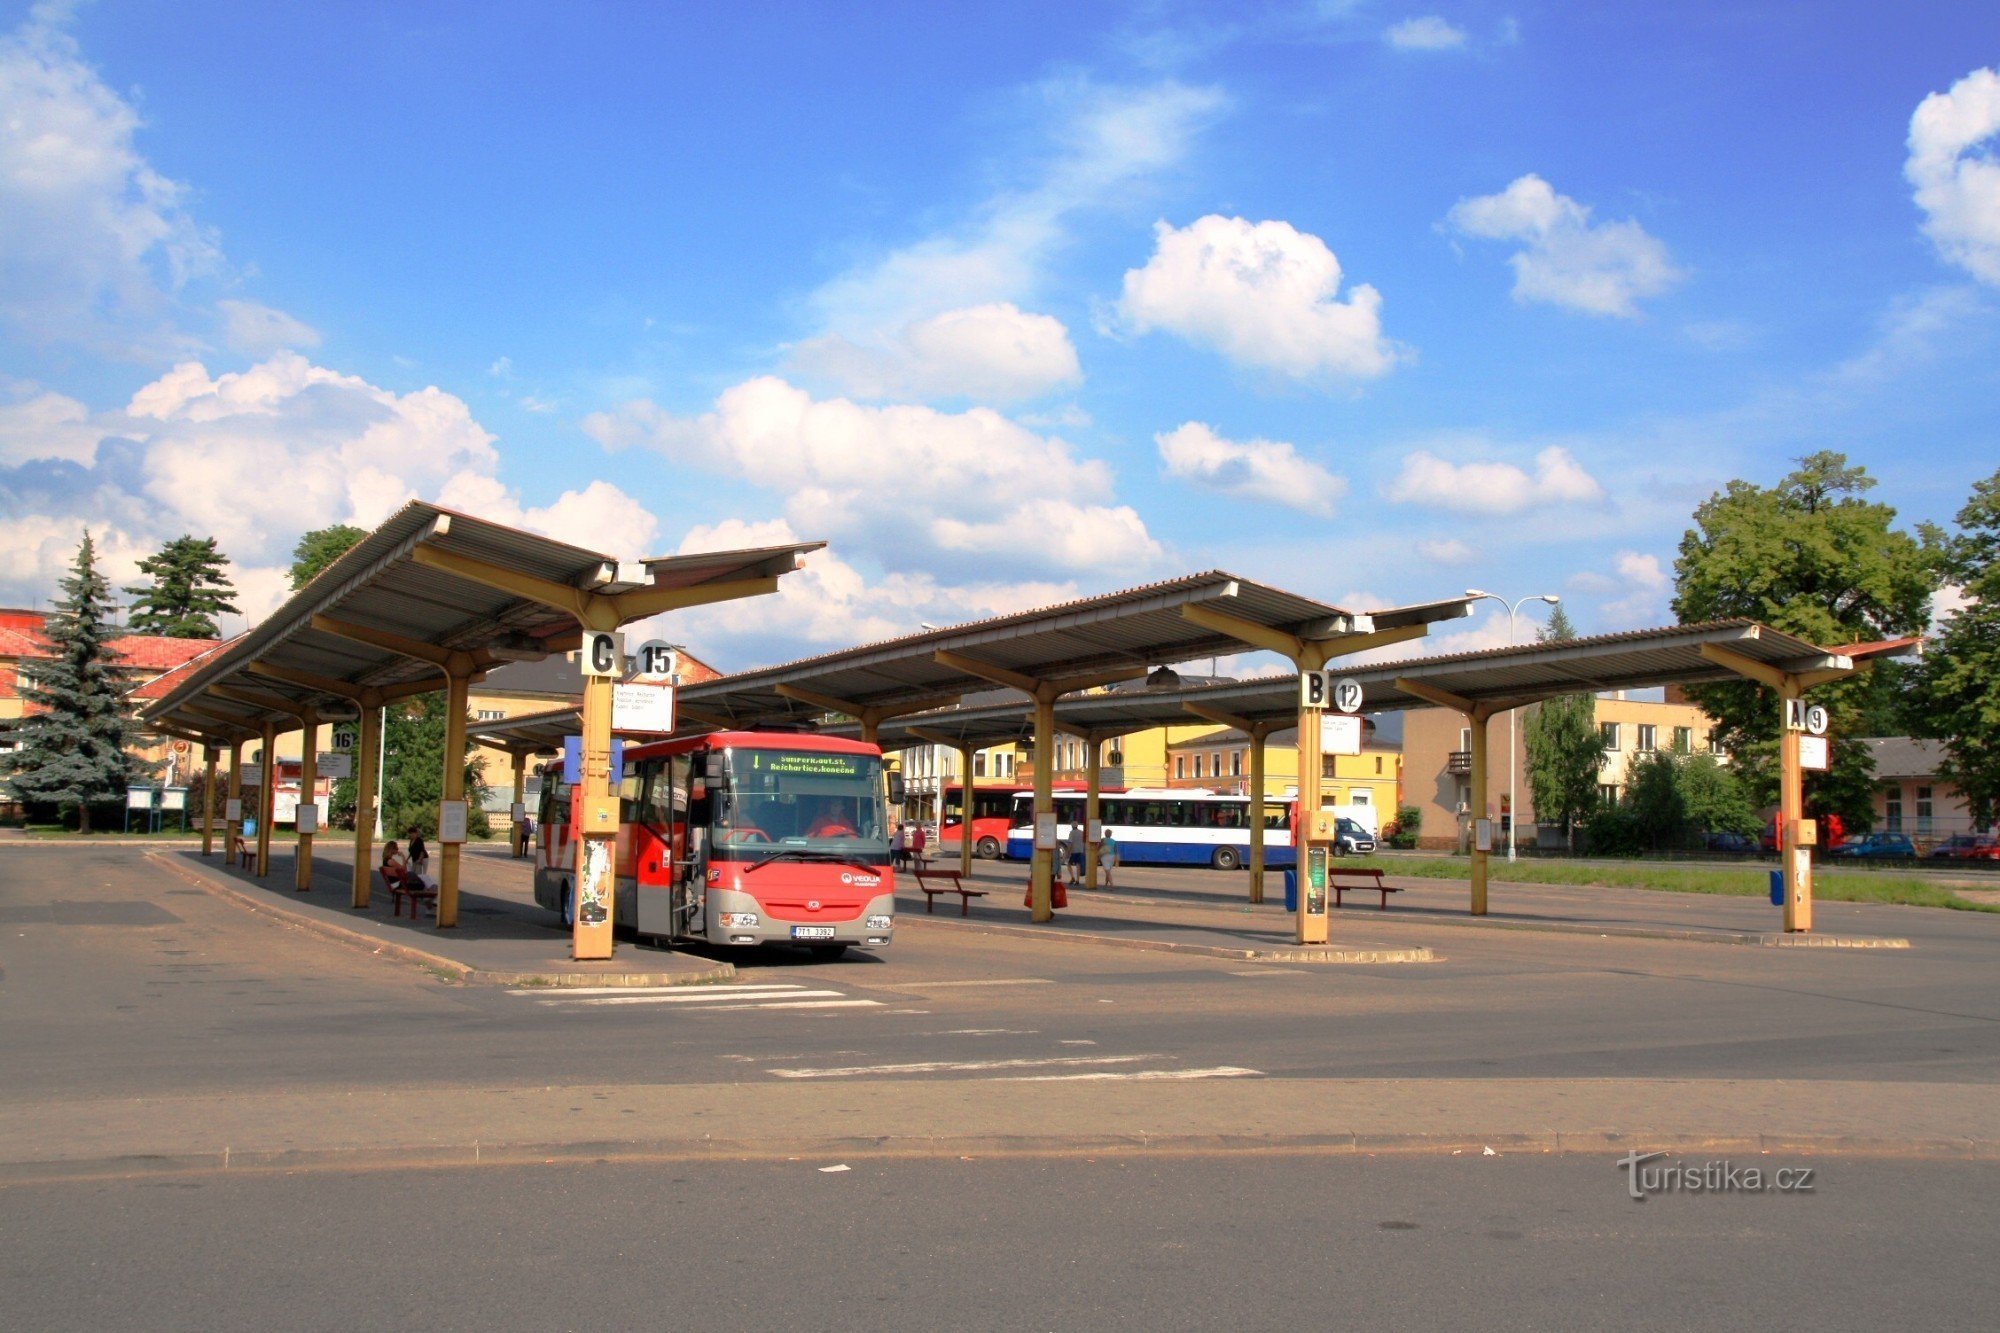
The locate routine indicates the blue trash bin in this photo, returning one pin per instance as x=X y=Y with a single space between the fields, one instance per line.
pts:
x=1777 y=888
x=1291 y=891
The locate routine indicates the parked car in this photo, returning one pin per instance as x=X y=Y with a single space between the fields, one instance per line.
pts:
x=1733 y=844
x=1877 y=847
x=1968 y=847
x=1832 y=834
x=1353 y=839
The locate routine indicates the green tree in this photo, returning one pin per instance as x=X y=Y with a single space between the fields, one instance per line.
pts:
x=187 y=592
x=74 y=745
x=1654 y=799
x=1964 y=660
x=320 y=548
x=1811 y=557
x=1565 y=749
x=1713 y=796
x=413 y=770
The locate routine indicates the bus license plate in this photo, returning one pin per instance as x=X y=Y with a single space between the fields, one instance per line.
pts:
x=812 y=932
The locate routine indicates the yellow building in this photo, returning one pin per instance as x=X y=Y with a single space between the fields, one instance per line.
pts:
x=1370 y=783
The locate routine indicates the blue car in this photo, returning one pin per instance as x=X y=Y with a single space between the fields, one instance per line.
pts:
x=1877 y=847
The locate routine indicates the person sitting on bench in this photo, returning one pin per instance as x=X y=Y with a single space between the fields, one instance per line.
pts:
x=396 y=869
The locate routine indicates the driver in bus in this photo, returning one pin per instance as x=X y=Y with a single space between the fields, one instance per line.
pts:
x=828 y=822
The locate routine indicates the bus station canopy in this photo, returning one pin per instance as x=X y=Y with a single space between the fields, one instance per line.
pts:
x=1504 y=677
x=1121 y=632
x=384 y=588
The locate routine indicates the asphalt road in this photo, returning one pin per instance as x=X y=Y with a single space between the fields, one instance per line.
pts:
x=120 y=981
x=1156 y=1243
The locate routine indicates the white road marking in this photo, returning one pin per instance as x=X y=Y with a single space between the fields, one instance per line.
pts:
x=1267 y=972
x=1076 y=1041
x=799 y=1004
x=1141 y=1075
x=564 y=992
x=714 y=1001
x=1011 y=981
x=984 y=1032
x=957 y=1066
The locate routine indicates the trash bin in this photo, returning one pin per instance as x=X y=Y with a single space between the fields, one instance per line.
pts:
x=1777 y=888
x=1291 y=890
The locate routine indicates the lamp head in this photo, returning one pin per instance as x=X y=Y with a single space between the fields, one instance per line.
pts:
x=1551 y=599
x=1475 y=592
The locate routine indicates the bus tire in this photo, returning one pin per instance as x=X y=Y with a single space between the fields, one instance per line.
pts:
x=1225 y=858
x=987 y=849
x=827 y=953
x=566 y=904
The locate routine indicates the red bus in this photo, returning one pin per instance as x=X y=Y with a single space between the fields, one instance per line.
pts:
x=992 y=815
x=741 y=838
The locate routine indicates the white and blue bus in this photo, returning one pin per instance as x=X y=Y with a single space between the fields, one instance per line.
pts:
x=1188 y=827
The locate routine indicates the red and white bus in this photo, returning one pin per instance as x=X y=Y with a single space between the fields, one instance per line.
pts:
x=739 y=837
x=992 y=815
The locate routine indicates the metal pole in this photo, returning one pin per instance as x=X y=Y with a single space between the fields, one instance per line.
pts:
x=381 y=770
x=1478 y=758
x=1092 y=808
x=267 y=799
x=208 y=800
x=367 y=791
x=456 y=684
x=1040 y=875
x=302 y=857
x=965 y=753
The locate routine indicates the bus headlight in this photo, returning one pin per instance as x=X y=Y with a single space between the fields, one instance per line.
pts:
x=738 y=920
x=880 y=922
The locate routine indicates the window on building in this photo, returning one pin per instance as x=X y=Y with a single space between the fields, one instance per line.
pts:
x=488 y=715
x=1326 y=768
x=1465 y=738
x=1608 y=793
x=1378 y=765
x=1360 y=796
x=1892 y=808
x=1923 y=810
x=1214 y=764
x=1236 y=763
x=1180 y=766
x=1609 y=730
x=1197 y=768
x=1683 y=740
x=1648 y=738
x=979 y=764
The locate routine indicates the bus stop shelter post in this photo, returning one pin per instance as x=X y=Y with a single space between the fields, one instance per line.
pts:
x=517 y=809
x=232 y=833
x=1476 y=721
x=1093 y=774
x=458 y=679
x=1795 y=855
x=1041 y=867
x=366 y=755
x=965 y=808
x=208 y=798
x=302 y=860
x=267 y=798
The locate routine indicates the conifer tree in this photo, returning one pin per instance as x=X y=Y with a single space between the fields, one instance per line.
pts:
x=1565 y=749
x=188 y=591
x=75 y=740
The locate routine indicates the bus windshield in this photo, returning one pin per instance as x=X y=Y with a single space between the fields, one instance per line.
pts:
x=803 y=802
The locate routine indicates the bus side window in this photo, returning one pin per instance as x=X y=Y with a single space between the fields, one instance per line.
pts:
x=1228 y=816
x=1275 y=817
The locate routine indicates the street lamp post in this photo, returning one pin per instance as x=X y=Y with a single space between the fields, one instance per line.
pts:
x=1513 y=807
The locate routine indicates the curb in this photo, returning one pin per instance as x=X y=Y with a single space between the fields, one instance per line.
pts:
x=1764 y=939
x=460 y=972
x=1282 y=954
x=457 y=1156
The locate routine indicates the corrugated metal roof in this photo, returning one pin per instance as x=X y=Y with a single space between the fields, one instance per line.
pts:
x=377 y=585
x=1137 y=628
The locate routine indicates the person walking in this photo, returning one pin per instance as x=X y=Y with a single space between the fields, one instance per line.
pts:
x=1077 y=837
x=899 y=848
x=1107 y=858
x=919 y=840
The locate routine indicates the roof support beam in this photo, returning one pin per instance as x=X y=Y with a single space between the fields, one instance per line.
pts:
x=1308 y=654
x=870 y=718
x=364 y=696
x=449 y=660
x=594 y=610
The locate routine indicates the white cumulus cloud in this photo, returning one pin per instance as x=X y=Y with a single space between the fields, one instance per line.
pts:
x=93 y=241
x=1486 y=487
x=254 y=458
x=1446 y=551
x=258 y=330
x=995 y=353
x=1263 y=294
x=1953 y=169
x=1271 y=471
x=1601 y=268
x=1429 y=33
x=904 y=482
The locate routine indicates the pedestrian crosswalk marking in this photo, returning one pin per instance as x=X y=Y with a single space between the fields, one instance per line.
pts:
x=700 y=999
x=1140 y=1075
x=958 y=1066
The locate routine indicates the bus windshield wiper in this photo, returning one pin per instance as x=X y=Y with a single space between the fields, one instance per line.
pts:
x=813 y=854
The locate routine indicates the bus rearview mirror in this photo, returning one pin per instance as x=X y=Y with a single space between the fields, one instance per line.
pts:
x=895 y=789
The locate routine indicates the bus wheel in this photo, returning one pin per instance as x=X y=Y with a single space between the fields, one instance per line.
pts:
x=827 y=953
x=1225 y=858
x=566 y=895
x=987 y=848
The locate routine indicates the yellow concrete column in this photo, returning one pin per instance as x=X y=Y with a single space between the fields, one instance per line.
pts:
x=516 y=808
x=302 y=862
x=208 y=799
x=1797 y=858
x=1307 y=927
x=1257 y=737
x=597 y=847
x=1477 y=720
x=267 y=799
x=232 y=834
x=367 y=754
x=965 y=753
x=456 y=685
x=1041 y=868
x=1092 y=807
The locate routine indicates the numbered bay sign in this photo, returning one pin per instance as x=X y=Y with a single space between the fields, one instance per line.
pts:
x=603 y=653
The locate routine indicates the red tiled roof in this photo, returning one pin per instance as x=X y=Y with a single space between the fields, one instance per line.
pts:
x=153 y=652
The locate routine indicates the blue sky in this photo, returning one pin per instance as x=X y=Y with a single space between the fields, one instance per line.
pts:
x=1375 y=301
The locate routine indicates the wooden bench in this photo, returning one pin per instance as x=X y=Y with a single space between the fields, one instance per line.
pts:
x=400 y=892
x=932 y=882
x=1360 y=881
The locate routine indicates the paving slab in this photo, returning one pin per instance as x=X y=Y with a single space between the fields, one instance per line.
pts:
x=502 y=938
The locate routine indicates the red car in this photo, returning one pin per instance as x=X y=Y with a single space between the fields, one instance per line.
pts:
x=1832 y=833
x=1968 y=847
